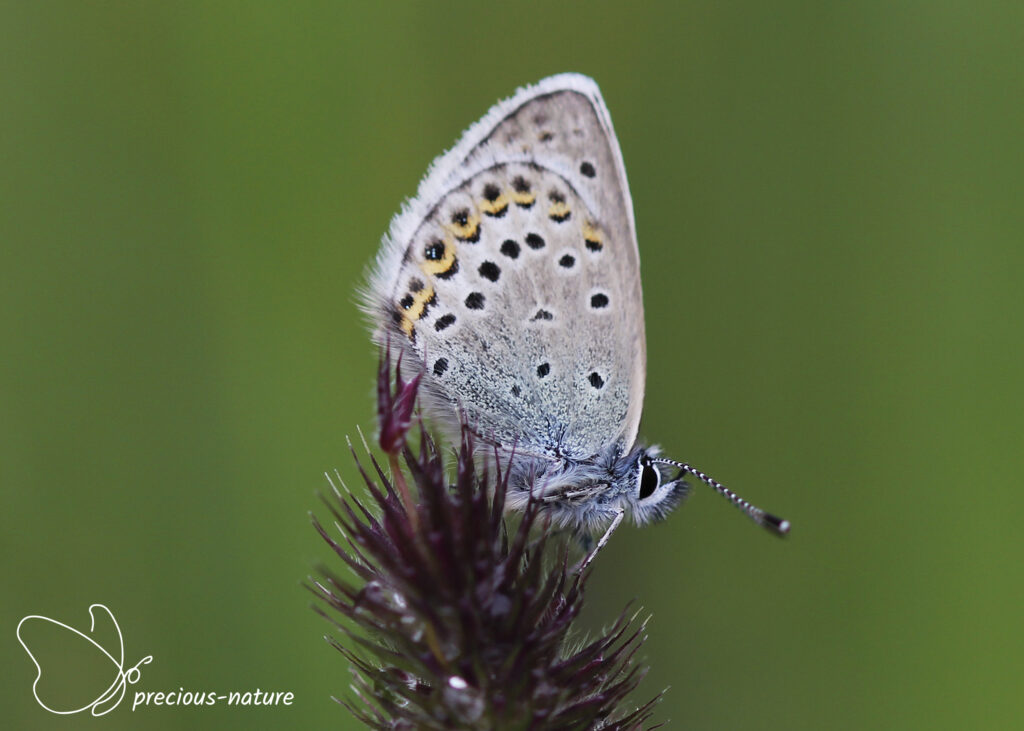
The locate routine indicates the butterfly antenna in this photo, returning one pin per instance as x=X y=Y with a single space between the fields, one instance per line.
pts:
x=778 y=526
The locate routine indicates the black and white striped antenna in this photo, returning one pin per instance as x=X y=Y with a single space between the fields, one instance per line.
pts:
x=778 y=526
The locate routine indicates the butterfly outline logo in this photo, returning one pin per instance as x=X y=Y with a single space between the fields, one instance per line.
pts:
x=114 y=693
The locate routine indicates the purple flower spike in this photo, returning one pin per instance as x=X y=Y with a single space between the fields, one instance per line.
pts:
x=394 y=408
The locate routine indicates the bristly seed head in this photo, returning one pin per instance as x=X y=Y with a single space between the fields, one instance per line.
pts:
x=456 y=618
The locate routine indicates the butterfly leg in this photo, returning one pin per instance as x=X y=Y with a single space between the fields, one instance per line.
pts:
x=601 y=543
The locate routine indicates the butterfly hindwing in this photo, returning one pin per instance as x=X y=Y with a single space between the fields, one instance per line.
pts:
x=514 y=277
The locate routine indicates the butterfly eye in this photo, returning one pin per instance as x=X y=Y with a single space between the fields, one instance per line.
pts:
x=650 y=478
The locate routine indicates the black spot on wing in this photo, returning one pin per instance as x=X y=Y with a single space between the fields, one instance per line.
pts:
x=489 y=270
x=434 y=251
x=444 y=321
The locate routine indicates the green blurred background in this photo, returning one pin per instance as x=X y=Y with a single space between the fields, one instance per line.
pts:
x=829 y=205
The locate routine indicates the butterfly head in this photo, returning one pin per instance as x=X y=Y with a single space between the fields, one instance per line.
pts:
x=649 y=490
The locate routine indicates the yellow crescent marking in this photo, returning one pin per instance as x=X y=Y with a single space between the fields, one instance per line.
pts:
x=591 y=233
x=559 y=211
x=434 y=267
x=498 y=205
x=416 y=310
x=523 y=199
x=419 y=303
x=467 y=232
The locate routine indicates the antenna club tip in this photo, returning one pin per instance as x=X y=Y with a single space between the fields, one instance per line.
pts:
x=779 y=526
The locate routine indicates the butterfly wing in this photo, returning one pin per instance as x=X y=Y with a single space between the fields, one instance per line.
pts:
x=514 y=278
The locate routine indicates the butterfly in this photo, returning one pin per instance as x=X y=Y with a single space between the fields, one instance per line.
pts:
x=513 y=279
